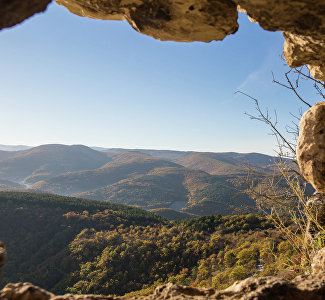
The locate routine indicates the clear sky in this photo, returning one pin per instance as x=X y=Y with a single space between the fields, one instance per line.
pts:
x=72 y=80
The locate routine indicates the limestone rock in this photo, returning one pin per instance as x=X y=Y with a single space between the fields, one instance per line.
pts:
x=302 y=21
x=318 y=265
x=311 y=146
x=3 y=255
x=316 y=209
x=15 y=11
x=275 y=288
x=303 y=29
x=24 y=291
x=300 y=50
x=203 y=20
x=176 y=291
x=317 y=71
x=305 y=17
x=310 y=287
x=85 y=297
x=177 y=20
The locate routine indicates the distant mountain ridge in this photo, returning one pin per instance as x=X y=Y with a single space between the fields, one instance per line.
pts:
x=222 y=163
x=197 y=183
x=14 y=147
x=44 y=161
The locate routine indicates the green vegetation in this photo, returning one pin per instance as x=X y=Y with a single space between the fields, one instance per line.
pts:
x=152 y=183
x=83 y=246
x=37 y=229
x=171 y=214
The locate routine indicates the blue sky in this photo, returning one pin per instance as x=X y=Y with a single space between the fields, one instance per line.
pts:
x=72 y=80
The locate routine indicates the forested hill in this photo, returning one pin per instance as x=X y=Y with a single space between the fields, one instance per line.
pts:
x=46 y=161
x=82 y=246
x=37 y=229
x=172 y=183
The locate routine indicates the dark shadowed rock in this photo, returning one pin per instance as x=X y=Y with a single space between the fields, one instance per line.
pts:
x=302 y=21
x=13 y=12
x=3 y=255
x=177 y=20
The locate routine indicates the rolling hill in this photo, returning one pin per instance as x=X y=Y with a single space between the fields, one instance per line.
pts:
x=224 y=163
x=14 y=147
x=38 y=228
x=6 y=154
x=186 y=182
x=137 y=179
x=123 y=166
x=46 y=161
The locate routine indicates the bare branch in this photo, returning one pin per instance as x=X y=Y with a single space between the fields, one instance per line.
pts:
x=267 y=119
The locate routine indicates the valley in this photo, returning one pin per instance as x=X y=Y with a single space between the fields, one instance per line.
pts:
x=192 y=183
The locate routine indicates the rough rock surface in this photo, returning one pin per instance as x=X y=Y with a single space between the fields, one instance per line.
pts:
x=3 y=255
x=302 y=21
x=177 y=20
x=318 y=265
x=311 y=146
x=305 y=17
x=310 y=287
x=301 y=49
x=316 y=209
x=194 y=20
x=15 y=11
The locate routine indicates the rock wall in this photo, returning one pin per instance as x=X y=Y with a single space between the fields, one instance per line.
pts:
x=301 y=21
x=311 y=146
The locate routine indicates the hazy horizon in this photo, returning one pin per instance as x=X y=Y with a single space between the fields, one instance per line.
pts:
x=124 y=148
x=94 y=82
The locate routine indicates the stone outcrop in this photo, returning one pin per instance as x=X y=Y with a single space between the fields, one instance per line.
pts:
x=177 y=20
x=311 y=146
x=3 y=255
x=318 y=264
x=310 y=287
x=316 y=212
x=15 y=11
x=301 y=49
x=302 y=21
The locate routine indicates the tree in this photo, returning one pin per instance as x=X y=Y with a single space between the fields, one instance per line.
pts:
x=283 y=195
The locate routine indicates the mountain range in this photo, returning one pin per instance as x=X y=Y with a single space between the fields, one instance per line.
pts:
x=165 y=181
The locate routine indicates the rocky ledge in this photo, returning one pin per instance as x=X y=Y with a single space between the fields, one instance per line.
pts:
x=301 y=21
x=301 y=288
x=309 y=287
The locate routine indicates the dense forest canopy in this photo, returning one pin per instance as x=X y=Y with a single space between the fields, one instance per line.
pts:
x=75 y=245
